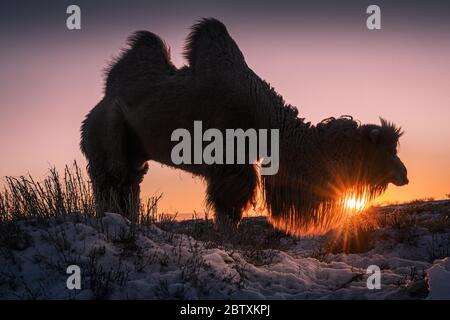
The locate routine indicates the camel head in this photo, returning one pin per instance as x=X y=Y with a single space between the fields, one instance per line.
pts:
x=357 y=157
x=338 y=168
x=382 y=163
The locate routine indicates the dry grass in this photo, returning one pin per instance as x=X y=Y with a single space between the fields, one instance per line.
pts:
x=255 y=233
x=403 y=224
x=23 y=197
x=357 y=235
x=70 y=193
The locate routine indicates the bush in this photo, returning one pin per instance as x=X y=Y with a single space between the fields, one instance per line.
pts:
x=23 y=197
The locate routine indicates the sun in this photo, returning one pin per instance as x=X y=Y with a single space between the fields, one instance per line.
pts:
x=355 y=203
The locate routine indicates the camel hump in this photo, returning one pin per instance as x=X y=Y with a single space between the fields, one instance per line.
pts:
x=147 y=57
x=209 y=46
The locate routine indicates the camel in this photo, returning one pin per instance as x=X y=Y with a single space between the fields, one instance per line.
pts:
x=146 y=98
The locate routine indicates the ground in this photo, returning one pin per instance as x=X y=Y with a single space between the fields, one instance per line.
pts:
x=168 y=259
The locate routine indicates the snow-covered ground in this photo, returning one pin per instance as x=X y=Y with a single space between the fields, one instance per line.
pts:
x=190 y=260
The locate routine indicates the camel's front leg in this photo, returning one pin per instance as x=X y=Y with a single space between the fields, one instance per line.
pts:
x=231 y=188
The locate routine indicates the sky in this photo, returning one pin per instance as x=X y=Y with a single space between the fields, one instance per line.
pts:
x=319 y=55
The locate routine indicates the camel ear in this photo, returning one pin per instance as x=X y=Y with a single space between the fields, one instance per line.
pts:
x=374 y=134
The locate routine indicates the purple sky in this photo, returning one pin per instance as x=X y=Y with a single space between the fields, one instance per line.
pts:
x=320 y=58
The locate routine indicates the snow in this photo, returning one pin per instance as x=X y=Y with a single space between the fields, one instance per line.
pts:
x=119 y=262
x=439 y=280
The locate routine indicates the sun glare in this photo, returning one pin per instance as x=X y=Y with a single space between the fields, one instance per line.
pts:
x=343 y=215
x=355 y=203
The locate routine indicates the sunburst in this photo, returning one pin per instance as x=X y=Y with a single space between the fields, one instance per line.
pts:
x=355 y=203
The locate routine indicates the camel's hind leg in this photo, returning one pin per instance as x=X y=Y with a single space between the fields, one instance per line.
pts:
x=231 y=188
x=115 y=168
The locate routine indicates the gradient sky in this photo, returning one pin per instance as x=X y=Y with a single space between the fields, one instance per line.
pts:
x=319 y=56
